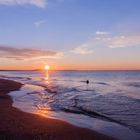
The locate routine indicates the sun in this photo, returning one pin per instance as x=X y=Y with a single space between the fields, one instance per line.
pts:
x=47 y=67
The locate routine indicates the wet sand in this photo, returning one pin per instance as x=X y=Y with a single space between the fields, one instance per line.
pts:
x=18 y=125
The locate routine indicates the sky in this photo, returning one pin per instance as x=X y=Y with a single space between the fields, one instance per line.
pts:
x=70 y=34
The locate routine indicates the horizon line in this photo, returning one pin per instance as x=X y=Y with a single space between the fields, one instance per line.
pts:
x=70 y=70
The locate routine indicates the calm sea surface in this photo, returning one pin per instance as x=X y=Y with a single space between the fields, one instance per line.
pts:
x=111 y=95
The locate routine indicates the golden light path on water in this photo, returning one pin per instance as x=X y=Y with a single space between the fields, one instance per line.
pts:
x=47 y=68
x=44 y=110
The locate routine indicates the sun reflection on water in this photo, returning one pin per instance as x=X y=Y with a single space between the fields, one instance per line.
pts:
x=46 y=78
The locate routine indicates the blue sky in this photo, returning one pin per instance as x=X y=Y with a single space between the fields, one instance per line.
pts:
x=99 y=34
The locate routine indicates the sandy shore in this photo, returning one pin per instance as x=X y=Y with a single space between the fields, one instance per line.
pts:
x=18 y=125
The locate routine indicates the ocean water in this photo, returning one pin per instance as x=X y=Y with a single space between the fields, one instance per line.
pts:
x=110 y=96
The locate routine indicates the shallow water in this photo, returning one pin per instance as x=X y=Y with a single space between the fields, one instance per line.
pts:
x=112 y=96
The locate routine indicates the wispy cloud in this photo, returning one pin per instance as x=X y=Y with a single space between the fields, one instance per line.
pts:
x=122 y=41
x=83 y=49
x=27 y=54
x=102 y=33
x=38 y=3
x=39 y=23
x=107 y=41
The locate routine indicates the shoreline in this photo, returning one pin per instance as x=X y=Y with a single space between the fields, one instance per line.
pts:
x=16 y=124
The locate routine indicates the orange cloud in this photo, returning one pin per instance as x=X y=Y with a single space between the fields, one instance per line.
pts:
x=27 y=53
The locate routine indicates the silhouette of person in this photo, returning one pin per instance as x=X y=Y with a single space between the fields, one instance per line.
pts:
x=87 y=81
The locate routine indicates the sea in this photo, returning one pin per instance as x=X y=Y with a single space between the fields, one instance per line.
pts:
x=109 y=104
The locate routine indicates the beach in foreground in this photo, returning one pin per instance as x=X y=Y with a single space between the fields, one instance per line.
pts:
x=16 y=124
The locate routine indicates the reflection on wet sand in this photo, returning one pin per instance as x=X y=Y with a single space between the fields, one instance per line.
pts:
x=44 y=111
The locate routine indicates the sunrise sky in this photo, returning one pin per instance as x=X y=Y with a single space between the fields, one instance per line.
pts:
x=70 y=34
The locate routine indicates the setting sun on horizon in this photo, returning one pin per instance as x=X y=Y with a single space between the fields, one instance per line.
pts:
x=47 y=67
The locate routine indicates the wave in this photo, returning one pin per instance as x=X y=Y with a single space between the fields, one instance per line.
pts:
x=99 y=99
x=133 y=84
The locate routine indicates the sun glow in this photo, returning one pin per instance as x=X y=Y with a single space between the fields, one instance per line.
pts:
x=47 y=67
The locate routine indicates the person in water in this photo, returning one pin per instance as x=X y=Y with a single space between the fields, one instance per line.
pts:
x=87 y=81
